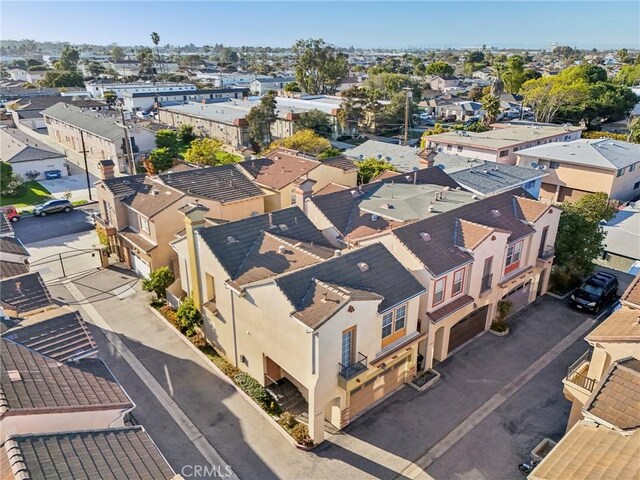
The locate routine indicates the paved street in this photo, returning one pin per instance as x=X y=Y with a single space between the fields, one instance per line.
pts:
x=36 y=229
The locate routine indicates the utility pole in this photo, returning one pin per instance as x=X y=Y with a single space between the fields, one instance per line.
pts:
x=86 y=166
x=406 y=116
x=127 y=146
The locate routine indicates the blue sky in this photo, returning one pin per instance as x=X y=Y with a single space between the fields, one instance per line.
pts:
x=453 y=23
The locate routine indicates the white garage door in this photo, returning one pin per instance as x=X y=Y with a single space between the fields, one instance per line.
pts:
x=141 y=267
x=519 y=296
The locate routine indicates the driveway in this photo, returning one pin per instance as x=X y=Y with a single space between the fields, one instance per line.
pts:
x=75 y=183
x=37 y=229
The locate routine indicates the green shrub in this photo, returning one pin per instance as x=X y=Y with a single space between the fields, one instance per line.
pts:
x=170 y=314
x=504 y=308
x=158 y=281
x=188 y=317
x=562 y=280
x=198 y=340
x=228 y=369
x=252 y=388
x=300 y=434
x=287 y=421
x=499 y=326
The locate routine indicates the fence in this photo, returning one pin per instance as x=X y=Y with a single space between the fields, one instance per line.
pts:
x=68 y=263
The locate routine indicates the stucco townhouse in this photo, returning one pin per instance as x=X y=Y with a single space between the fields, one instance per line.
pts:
x=501 y=144
x=139 y=213
x=586 y=166
x=330 y=333
x=603 y=385
x=469 y=253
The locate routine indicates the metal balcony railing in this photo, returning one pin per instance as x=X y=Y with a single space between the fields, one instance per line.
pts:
x=351 y=370
x=546 y=253
x=487 y=282
x=575 y=376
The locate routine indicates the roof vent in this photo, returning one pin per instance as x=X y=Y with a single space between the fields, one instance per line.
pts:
x=337 y=253
x=374 y=218
x=425 y=236
x=126 y=182
x=283 y=227
x=431 y=208
x=363 y=267
x=387 y=206
x=14 y=375
x=495 y=212
x=354 y=193
x=474 y=197
x=231 y=239
x=155 y=192
x=282 y=250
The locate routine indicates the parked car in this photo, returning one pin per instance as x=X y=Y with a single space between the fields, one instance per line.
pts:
x=52 y=174
x=11 y=213
x=52 y=206
x=595 y=292
x=141 y=114
x=471 y=120
x=450 y=118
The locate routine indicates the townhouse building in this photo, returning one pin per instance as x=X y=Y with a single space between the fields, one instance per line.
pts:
x=101 y=135
x=338 y=331
x=138 y=213
x=146 y=101
x=468 y=252
x=586 y=166
x=501 y=144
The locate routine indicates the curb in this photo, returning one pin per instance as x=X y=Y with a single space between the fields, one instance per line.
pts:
x=427 y=385
x=227 y=380
x=560 y=297
x=499 y=334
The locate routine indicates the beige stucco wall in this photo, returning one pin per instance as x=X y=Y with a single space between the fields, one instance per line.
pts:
x=227 y=133
x=325 y=174
x=59 y=422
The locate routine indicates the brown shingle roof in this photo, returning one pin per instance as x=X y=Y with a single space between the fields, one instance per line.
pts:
x=331 y=188
x=12 y=245
x=25 y=293
x=279 y=170
x=622 y=325
x=12 y=269
x=137 y=240
x=631 y=295
x=6 y=229
x=616 y=399
x=143 y=194
x=47 y=386
x=529 y=209
x=341 y=162
x=470 y=234
x=450 y=308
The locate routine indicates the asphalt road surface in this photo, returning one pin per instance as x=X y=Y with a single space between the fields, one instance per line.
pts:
x=36 y=229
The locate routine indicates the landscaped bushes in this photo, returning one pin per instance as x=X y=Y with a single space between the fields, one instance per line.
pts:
x=251 y=387
x=300 y=434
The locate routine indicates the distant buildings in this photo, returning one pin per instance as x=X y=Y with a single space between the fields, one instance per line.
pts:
x=260 y=86
x=97 y=88
x=145 y=101
x=30 y=158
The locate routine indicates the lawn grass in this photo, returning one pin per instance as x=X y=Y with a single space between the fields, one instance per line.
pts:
x=34 y=194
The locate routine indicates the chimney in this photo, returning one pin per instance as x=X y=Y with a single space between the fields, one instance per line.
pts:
x=427 y=158
x=106 y=169
x=303 y=190
x=193 y=219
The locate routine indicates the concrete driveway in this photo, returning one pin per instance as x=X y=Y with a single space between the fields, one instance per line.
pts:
x=76 y=183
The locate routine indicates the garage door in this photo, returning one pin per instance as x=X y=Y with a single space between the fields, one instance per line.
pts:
x=141 y=267
x=519 y=296
x=467 y=328
x=377 y=387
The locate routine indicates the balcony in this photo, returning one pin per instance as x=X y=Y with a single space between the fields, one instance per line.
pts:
x=349 y=371
x=102 y=224
x=577 y=373
x=546 y=253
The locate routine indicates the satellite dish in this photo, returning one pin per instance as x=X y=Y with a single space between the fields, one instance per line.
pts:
x=534 y=165
x=361 y=156
x=542 y=167
x=379 y=157
x=441 y=166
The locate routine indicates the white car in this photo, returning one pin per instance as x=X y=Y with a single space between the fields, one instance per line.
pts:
x=142 y=114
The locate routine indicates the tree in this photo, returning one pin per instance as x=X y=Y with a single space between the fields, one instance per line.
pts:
x=158 y=281
x=62 y=79
x=69 y=58
x=208 y=151
x=167 y=139
x=110 y=97
x=315 y=120
x=439 y=68
x=260 y=118
x=372 y=167
x=320 y=68
x=6 y=172
x=580 y=238
x=155 y=38
x=11 y=183
x=145 y=58
x=185 y=133
x=117 y=54
x=161 y=159
x=95 y=69
x=292 y=87
x=629 y=75
x=491 y=107
x=634 y=130
x=305 y=141
x=188 y=316
x=512 y=73
x=475 y=93
x=531 y=74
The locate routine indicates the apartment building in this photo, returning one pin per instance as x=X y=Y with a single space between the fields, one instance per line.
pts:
x=469 y=253
x=139 y=213
x=337 y=330
x=583 y=166
x=145 y=101
x=260 y=86
x=501 y=144
x=97 y=88
x=100 y=134
x=603 y=386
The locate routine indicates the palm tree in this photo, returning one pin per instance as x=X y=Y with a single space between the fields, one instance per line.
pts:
x=155 y=38
x=491 y=107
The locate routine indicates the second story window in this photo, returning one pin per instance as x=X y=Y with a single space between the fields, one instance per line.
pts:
x=438 y=291
x=394 y=323
x=144 y=225
x=504 y=153
x=458 y=282
x=514 y=252
x=107 y=212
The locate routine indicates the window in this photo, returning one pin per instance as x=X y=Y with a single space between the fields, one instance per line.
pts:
x=529 y=184
x=554 y=165
x=458 y=282
x=438 y=291
x=487 y=277
x=348 y=344
x=504 y=153
x=636 y=185
x=394 y=324
x=514 y=252
x=107 y=213
x=144 y=225
x=449 y=147
x=620 y=172
x=632 y=167
x=459 y=148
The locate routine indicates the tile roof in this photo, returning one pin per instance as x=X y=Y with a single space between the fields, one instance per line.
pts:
x=45 y=385
x=616 y=399
x=381 y=277
x=99 y=124
x=631 y=295
x=278 y=170
x=59 y=334
x=600 y=153
x=440 y=252
x=144 y=194
x=108 y=454
x=6 y=229
x=25 y=292
x=341 y=162
x=449 y=308
x=13 y=245
x=621 y=325
x=492 y=177
x=243 y=245
x=470 y=234
x=342 y=208
x=137 y=240
x=224 y=183
x=591 y=452
x=529 y=209
x=16 y=146
x=12 y=269
x=331 y=188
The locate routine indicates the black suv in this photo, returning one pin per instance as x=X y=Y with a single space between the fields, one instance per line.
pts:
x=595 y=292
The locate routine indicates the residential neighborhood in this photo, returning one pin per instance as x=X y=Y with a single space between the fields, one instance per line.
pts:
x=354 y=244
